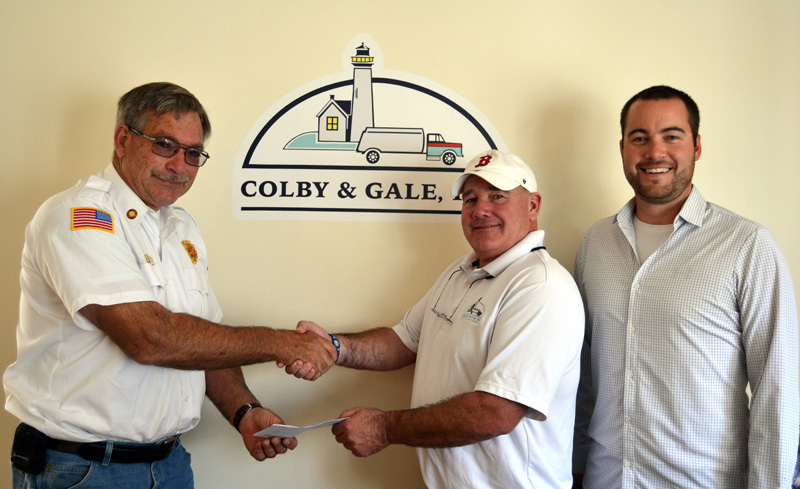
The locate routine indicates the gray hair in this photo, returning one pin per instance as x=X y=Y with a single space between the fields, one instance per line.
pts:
x=161 y=97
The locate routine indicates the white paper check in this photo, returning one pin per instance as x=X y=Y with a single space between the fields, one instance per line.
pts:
x=288 y=431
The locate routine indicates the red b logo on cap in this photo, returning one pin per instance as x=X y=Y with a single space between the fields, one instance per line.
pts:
x=485 y=160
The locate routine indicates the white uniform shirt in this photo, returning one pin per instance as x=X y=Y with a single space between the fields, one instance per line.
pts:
x=70 y=380
x=671 y=344
x=516 y=332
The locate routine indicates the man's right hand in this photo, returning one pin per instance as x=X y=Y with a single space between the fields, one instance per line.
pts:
x=309 y=354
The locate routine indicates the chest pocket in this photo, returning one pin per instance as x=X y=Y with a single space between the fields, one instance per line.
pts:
x=196 y=295
x=154 y=275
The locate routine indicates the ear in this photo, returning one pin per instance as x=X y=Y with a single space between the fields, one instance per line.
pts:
x=698 y=148
x=122 y=138
x=535 y=206
x=621 y=143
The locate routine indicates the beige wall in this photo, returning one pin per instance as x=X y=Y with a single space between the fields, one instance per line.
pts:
x=551 y=76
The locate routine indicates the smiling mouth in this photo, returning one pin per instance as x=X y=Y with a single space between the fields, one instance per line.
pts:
x=655 y=171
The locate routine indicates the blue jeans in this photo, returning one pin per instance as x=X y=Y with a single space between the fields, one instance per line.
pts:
x=67 y=470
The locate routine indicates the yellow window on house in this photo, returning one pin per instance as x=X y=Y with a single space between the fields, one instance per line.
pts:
x=333 y=123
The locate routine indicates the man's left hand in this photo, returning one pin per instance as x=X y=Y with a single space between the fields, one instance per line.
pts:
x=263 y=448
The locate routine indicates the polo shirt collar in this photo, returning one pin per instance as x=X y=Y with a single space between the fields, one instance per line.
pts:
x=531 y=241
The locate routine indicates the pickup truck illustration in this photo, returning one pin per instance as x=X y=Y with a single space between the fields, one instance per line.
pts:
x=377 y=140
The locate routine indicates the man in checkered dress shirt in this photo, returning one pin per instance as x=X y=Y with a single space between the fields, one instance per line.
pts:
x=687 y=304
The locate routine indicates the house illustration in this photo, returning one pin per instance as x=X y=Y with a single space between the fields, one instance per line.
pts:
x=333 y=121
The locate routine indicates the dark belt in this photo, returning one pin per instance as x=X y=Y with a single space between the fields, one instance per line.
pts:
x=121 y=453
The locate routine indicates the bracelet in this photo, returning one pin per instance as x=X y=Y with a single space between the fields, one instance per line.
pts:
x=237 y=418
x=336 y=343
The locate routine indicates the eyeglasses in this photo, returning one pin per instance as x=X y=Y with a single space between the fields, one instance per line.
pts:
x=168 y=148
x=442 y=315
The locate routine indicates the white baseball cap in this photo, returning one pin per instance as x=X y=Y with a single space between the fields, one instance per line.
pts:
x=503 y=170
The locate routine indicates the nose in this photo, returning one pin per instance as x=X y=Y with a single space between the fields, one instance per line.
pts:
x=177 y=162
x=656 y=149
x=482 y=208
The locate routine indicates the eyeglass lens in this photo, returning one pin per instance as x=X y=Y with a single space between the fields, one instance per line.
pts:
x=168 y=148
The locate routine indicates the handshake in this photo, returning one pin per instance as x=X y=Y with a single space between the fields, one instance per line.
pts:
x=315 y=350
x=310 y=351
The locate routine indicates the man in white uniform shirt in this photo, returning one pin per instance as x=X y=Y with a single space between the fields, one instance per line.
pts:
x=118 y=320
x=686 y=304
x=496 y=345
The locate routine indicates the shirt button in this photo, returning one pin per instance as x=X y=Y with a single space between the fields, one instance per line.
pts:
x=627 y=464
x=629 y=374
x=627 y=419
x=636 y=286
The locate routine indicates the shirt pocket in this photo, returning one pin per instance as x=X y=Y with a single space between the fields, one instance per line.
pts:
x=155 y=277
x=196 y=292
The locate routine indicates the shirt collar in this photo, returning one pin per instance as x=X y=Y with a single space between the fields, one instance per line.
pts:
x=692 y=211
x=532 y=240
x=132 y=207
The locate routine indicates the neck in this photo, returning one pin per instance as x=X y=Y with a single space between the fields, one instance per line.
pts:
x=651 y=213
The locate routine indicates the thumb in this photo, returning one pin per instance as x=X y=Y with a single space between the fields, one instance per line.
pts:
x=310 y=326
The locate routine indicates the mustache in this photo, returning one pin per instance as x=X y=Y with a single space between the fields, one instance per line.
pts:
x=170 y=177
x=483 y=222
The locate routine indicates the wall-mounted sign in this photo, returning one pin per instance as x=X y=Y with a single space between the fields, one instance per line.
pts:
x=367 y=144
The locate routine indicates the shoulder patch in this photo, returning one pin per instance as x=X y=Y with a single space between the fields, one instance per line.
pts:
x=91 y=218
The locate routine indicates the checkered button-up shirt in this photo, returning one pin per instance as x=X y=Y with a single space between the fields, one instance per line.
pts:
x=670 y=347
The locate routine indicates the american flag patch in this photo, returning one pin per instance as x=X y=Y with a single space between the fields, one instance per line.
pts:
x=90 y=218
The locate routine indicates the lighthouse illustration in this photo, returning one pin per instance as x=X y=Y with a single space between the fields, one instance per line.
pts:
x=350 y=125
x=363 y=113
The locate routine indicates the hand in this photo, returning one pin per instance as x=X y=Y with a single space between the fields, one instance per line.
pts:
x=363 y=433
x=263 y=448
x=306 y=326
x=310 y=355
x=304 y=370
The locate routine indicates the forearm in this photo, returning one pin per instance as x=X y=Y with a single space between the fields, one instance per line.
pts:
x=192 y=343
x=228 y=391
x=152 y=335
x=376 y=349
x=463 y=420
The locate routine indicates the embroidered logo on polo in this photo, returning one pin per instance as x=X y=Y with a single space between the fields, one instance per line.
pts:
x=474 y=313
x=91 y=218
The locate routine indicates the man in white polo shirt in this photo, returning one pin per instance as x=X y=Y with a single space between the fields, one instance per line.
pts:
x=118 y=320
x=496 y=344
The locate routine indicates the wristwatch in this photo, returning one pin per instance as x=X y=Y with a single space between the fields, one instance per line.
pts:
x=237 y=418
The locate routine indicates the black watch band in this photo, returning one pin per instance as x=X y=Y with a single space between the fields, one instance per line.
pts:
x=237 y=418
